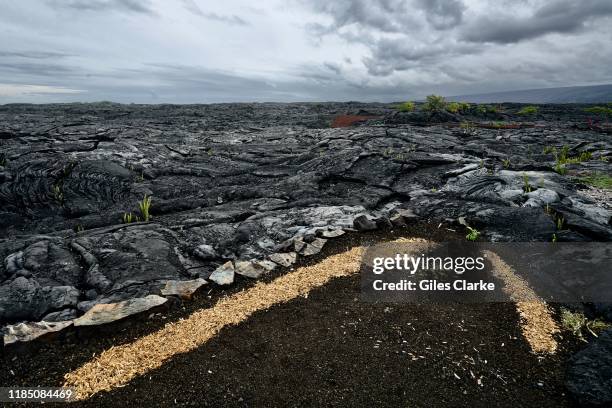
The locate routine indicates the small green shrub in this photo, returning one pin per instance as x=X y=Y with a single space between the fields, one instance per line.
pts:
x=585 y=156
x=579 y=325
x=528 y=110
x=472 y=234
x=453 y=107
x=464 y=107
x=458 y=107
x=406 y=107
x=562 y=158
x=554 y=238
x=435 y=103
x=506 y=163
x=145 y=206
x=484 y=109
x=560 y=169
x=600 y=110
x=599 y=180
x=2 y=159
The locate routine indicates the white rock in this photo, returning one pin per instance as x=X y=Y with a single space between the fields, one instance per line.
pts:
x=24 y=332
x=313 y=247
x=206 y=252
x=182 y=289
x=284 y=259
x=540 y=198
x=332 y=233
x=223 y=275
x=254 y=269
x=103 y=313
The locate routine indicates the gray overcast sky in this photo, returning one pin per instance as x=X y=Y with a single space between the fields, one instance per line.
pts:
x=186 y=51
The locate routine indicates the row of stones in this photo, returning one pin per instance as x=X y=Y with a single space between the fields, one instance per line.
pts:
x=224 y=275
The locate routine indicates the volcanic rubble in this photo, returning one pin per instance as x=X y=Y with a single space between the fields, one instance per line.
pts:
x=241 y=189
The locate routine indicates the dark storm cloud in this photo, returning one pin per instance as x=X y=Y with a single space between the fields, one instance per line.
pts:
x=135 y=6
x=442 y=14
x=389 y=55
x=403 y=49
x=388 y=16
x=230 y=19
x=562 y=16
x=395 y=43
x=391 y=16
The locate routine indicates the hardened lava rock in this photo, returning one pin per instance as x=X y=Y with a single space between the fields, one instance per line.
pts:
x=239 y=189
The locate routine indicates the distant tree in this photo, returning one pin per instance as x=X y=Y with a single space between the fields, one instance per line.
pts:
x=435 y=103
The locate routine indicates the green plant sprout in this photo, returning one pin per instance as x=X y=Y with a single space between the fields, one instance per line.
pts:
x=560 y=223
x=145 y=206
x=526 y=186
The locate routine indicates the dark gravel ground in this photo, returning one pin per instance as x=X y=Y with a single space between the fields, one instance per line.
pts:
x=332 y=350
x=329 y=349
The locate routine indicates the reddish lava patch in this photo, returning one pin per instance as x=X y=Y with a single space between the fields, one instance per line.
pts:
x=349 y=120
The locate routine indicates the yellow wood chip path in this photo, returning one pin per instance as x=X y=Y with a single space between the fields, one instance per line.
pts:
x=118 y=365
x=537 y=325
